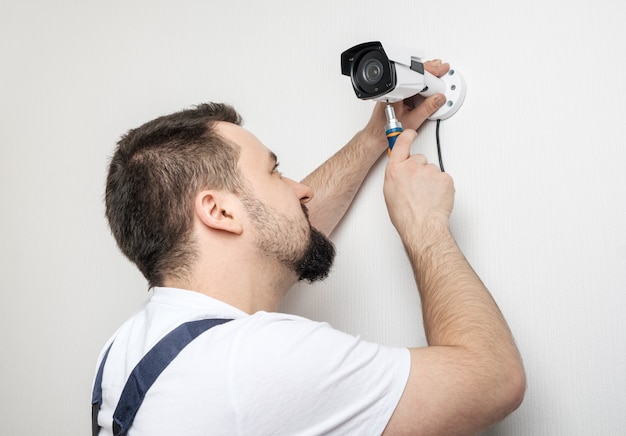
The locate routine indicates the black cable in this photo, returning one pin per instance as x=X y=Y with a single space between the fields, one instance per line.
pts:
x=439 y=147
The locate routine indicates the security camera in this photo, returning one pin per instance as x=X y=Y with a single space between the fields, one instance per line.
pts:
x=391 y=74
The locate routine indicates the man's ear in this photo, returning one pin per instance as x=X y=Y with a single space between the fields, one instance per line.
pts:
x=219 y=210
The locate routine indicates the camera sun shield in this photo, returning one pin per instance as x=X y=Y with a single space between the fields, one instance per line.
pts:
x=372 y=73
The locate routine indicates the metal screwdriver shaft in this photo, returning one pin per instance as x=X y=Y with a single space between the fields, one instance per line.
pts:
x=393 y=128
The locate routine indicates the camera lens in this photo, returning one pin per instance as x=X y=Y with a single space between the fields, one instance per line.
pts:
x=372 y=71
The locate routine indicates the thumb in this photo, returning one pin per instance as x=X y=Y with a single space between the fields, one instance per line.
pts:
x=424 y=110
x=402 y=148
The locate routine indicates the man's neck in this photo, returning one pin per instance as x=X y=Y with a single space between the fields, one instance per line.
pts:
x=249 y=291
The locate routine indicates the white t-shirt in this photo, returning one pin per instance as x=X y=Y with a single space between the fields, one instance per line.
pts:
x=261 y=374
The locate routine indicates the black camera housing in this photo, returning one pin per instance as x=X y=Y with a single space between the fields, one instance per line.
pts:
x=371 y=71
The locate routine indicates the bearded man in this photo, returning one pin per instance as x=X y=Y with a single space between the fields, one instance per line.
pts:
x=198 y=204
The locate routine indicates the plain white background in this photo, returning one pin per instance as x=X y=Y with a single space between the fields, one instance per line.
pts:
x=537 y=154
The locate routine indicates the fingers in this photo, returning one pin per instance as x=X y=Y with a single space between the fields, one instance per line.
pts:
x=413 y=111
x=429 y=106
x=436 y=67
x=402 y=148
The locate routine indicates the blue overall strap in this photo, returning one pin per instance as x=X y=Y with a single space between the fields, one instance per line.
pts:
x=96 y=396
x=150 y=367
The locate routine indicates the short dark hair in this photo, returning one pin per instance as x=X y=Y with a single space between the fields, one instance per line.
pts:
x=153 y=177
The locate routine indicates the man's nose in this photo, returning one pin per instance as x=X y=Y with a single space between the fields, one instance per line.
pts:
x=304 y=193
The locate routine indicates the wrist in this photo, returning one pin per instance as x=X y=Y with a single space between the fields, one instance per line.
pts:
x=372 y=137
x=425 y=233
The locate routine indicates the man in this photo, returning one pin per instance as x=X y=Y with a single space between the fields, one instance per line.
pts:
x=197 y=202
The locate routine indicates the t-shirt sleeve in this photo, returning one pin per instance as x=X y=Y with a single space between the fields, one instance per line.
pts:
x=289 y=375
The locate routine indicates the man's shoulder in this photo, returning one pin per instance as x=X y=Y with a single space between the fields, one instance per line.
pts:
x=268 y=324
x=290 y=338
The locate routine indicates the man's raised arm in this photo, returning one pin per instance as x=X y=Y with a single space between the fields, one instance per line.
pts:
x=471 y=374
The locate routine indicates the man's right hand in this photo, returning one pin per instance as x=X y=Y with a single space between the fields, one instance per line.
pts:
x=417 y=193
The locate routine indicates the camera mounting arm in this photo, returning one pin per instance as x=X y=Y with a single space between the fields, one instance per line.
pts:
x=452 y=85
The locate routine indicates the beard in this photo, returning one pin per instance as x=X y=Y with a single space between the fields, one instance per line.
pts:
x=295 y=244
x=317 y=260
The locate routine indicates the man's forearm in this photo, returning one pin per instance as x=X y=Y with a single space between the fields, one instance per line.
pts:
x=336 y=182
x=457 y=308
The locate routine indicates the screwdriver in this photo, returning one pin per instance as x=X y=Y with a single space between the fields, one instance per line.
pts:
x=393 y=128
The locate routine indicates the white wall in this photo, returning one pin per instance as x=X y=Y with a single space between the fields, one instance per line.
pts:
x=537 y=154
